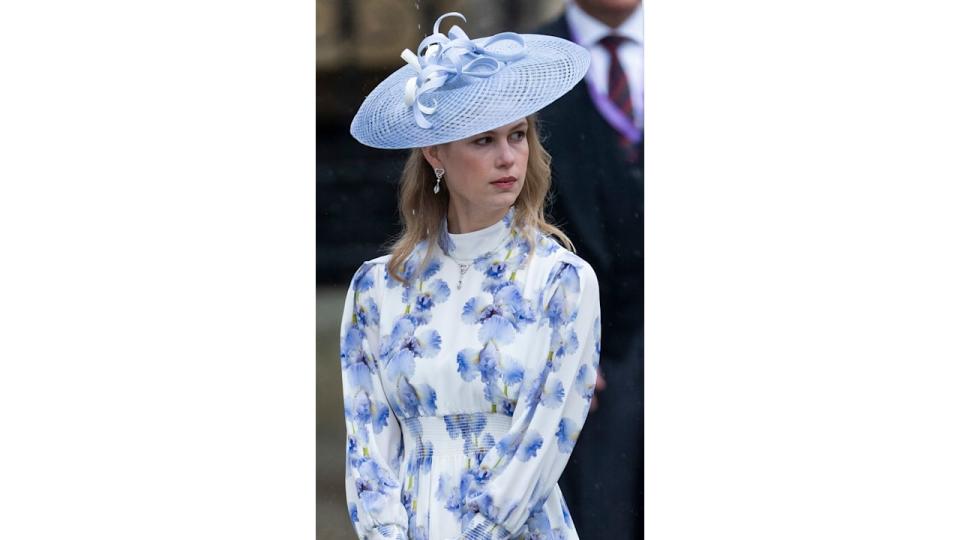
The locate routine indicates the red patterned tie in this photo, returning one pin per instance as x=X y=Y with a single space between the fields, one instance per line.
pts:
x=618 y=88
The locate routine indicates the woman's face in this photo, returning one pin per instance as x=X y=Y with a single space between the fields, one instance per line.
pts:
x=484 y=172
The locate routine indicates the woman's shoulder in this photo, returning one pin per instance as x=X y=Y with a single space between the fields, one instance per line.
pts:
x=382 y=260
x=556 y=259
x=369 y=273
x=377 y=271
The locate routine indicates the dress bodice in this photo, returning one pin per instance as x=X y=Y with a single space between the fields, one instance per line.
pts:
x=465 y=380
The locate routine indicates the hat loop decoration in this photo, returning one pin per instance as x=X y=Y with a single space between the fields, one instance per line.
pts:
x=441 y=59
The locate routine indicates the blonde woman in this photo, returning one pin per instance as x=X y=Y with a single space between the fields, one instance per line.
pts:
x=470 y=352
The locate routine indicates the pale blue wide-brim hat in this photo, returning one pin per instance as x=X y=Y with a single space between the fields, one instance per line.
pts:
x=454 y=87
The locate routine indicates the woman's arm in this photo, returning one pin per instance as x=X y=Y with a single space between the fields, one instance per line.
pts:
x=373 y=433
x=524 y=466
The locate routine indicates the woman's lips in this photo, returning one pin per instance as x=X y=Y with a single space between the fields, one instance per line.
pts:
x=506 y=182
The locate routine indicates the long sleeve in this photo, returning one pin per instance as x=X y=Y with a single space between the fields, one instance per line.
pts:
x=522 y=469
x=374 y=440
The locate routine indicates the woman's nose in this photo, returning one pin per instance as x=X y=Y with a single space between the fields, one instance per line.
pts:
x=506 y=155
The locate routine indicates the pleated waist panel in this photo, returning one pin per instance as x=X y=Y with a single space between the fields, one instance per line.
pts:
x=453 y=435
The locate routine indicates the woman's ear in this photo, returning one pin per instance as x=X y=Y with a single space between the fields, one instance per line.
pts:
x=431 y=154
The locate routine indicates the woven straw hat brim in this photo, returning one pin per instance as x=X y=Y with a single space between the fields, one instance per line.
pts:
x=550 y=69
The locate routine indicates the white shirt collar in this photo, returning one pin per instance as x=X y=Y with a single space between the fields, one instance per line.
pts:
x=589 y=30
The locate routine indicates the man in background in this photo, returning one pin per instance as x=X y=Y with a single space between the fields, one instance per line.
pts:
x=595 y=135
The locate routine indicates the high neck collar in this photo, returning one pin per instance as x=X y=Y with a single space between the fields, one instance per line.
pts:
x=469 y=246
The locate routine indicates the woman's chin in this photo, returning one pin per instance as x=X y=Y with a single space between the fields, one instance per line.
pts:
x=504 y=200
x=490 y=202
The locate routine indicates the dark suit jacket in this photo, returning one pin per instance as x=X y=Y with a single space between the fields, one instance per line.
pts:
x=598 y=202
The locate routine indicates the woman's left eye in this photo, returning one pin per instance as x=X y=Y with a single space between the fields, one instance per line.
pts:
x=518 y=135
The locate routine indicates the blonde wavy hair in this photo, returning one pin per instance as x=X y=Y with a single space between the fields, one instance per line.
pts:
x=422 y=211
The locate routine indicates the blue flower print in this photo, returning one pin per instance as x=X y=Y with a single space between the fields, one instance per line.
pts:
x=479 y=453
x=498 y=374
x=423 y=449
x=420 y=294
x=562 y=306
x=596 y=342
x=563 y=343
x=363 y=410
x=519 y=249
x=560 y=309
x=416 y=401
x=501 y=320
x=411 y=272
x=511 y=377
x=417 y=469
x=476 y=449
x=424 y=461
x=507 y=219
x=508 y=445
x=353 y=360
x=367 y=314
x=493 y=269
x=479 y=475
x=567 y=434
x=363 y=279
x=444 y=241
x=468 y=364
x=566 y=275
x=372 y=484
x=403 y=347
x=532 y=442
x=353 y=445
x=482 y=505
x=431 y=269
x=406 y=272
x=496 y=394
x=553 y=394
x=567 y=520
x=451 y=491
x=533 y=390
x=583 y=385
x=464 y=425
x=435 y=293
x=513 y=372
x=469 y=427
x=416 y=281
x=482 y=518
x=471 y=362
x=538 y=528
x=499 y=272
x=352 y=508
x=417 y=532
x=546 y=246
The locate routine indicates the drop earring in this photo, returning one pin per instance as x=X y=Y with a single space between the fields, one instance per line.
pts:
x=439 y=173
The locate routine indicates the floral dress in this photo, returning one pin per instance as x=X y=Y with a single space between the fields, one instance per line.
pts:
x=465 y=389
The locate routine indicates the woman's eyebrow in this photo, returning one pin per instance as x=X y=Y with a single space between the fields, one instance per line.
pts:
x=517 y=125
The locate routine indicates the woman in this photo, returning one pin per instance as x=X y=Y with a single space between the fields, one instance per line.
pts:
x=469 y=353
